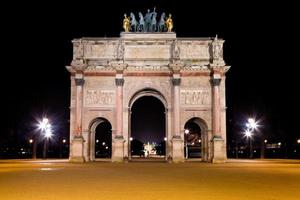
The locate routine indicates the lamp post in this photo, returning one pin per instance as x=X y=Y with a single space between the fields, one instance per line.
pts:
x=186 y=132
x=45 y=127
x=251 y=127
x=248 y=134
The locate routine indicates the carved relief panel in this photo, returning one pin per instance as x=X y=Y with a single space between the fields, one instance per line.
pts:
x=98 y=98
x=200 y=97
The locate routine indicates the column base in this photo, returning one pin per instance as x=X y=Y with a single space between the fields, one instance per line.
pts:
x=219 y=151
x=77 y=150
x=177 y=149
x=118 y=149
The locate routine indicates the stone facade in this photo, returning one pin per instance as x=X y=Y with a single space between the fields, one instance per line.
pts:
x=109 y=74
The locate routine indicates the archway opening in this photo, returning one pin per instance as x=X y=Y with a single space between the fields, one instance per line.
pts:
x=148 y=128
x=103 y=140
x=193 y=139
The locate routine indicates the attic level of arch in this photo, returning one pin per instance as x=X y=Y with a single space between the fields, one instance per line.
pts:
x=147 y=52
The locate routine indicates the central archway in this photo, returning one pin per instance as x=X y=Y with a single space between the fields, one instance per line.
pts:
x=147 y=122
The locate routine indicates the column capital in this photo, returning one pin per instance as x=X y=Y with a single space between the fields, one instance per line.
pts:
x=176 y=67
x=79 y=81
x=216 y=81
x=176 y=81
x=119 y=81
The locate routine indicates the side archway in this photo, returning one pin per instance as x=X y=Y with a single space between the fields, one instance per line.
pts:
x=196 y=139
x=100 y=139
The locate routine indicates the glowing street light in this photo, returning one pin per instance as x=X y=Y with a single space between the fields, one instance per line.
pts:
x=45 y=127
x=251 y=127
x=30 y=141
x=130 y=138
x=298 y=141
x=64 y=141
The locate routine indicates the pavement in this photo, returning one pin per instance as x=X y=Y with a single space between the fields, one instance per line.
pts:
x=236 y=179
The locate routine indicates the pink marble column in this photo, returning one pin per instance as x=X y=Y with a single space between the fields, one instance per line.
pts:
x=177 y=142
x=78 y=115
x=118 y=139
x=119 y=106
x=216 y=107
x=176 y=85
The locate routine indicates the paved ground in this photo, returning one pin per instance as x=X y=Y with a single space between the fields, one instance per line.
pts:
x=237 y=179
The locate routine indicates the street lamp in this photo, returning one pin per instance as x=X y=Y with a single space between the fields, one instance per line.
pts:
x=45 y=127
x=186 y=131
x=298 y=141
x=251 y=127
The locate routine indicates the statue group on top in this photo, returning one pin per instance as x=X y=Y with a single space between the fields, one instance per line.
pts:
x=148 y=23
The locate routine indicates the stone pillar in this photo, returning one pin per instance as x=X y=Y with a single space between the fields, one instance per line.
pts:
x=219 y=149
x=77 y=141
x=118 y=140
x=177 y=142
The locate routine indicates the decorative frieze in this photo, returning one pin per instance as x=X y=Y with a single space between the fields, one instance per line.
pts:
x=96 y=97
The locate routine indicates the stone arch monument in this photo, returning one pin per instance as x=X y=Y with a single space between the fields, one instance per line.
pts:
x=109 y=74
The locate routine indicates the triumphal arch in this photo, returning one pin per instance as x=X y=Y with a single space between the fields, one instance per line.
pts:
x=109 y=74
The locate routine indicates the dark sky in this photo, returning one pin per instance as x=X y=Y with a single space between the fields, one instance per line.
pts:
x=263 y=80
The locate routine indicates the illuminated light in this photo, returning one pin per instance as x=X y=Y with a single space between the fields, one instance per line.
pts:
x=248 y=133
x=43 y=125
x=186 y=131
x=106 y=147
x=193 y=143
x=45 y=120
x=103 y=143
x=252 y=123
x=64 y=140
x=199 y=141
x=254 y=151
x=48 y=133
x=165 y=139
x=279 y=143
x=130 y=138
x=97 y=141
x=298 y=141
x=21 y=149
x=266 y=141
x=31 y=141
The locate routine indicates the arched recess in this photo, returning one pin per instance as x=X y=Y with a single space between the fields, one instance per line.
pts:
x=98 y=143
x=194 y=140
x=147 y=92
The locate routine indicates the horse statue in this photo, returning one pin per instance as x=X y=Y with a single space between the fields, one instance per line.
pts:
x=141 y=26
x=147 y=19
x=153 y=23
x=133 y=22
x=161 y=26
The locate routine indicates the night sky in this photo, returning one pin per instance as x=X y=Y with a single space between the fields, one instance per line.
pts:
x=259 y=39
x=148 y=120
